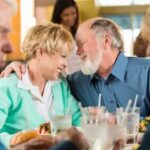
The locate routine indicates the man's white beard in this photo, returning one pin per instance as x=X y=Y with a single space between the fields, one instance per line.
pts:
x=89 y=67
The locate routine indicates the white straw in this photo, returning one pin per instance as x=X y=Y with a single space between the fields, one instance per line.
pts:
x=128 y=106
x=69 y=107
x=135 y=102
x=99 y=105
x=99 y=100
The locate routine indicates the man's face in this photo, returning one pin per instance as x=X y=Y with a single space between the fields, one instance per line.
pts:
x=5 y=25
x=89 y=50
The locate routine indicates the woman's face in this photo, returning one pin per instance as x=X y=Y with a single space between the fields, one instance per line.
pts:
x=68 y=16
x=54 y=64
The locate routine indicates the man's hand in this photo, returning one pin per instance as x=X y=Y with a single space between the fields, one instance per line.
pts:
x=16 y=66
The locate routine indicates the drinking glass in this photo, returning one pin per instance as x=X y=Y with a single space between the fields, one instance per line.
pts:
x=110 y=117
x=93 y=115
x=91 y=124
x=60 y=122
x=130 y=119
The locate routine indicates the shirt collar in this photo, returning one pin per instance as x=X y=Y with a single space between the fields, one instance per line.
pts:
x=26 y=84
x=119 y=68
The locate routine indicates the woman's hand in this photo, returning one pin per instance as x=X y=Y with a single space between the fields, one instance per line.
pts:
x=16 y=66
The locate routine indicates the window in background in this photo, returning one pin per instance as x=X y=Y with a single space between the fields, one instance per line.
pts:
x=114 y=3
x=27 y=16
x=136 y=24
x=130 y=25
x=141 y=2
x=121 y=2
x=128 y=14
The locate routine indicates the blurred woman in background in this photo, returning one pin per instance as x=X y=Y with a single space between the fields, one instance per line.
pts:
x=66 y=13
x=142 y=43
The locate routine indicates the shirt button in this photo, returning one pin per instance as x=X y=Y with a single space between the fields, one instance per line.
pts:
x=111 y=101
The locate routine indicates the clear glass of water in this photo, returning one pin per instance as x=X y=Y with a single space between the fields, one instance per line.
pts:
x=60 y=121
x=91 y=123
x=93 y=115
x=129 y=119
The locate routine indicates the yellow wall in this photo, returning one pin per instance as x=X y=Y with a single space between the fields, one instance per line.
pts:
x=49 y=12
x=15 y=36
x=87 y=9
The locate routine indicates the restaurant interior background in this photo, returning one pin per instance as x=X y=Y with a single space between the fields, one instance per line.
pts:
x=127 y=13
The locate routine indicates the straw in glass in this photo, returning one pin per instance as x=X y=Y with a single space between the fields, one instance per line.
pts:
x=135 y=102
x=128 y=106
x=99 y=105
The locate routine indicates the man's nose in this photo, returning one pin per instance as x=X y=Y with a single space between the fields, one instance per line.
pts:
x=7 y=48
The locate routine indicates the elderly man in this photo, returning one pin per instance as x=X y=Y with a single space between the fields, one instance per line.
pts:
x=7 y=8
x=105 y=69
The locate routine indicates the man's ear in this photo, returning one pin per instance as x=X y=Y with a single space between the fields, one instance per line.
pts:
x=107 y=41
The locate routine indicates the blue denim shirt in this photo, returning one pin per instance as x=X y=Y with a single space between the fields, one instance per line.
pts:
x=129 y=76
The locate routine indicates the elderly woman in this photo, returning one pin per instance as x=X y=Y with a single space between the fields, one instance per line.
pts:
x=29 y=102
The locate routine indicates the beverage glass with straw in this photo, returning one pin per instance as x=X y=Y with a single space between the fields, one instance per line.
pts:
x=91 y=125
x=133 y=120
x=60 y=122
x=129 y=118
x=92 y=114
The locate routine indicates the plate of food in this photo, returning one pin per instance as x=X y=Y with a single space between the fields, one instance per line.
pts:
x=26 y=135
x=45 y=129
x=22 y=137
x=144 y=124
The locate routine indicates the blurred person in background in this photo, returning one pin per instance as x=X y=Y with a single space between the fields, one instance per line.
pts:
x=66 y=13
x=142 y=43
x=41 y=91
x=7 y=9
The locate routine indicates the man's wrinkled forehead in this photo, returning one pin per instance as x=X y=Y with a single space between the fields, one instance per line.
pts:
x=84 y=28
x=82 y=32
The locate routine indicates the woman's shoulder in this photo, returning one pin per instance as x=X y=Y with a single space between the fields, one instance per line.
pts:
x=8 y=81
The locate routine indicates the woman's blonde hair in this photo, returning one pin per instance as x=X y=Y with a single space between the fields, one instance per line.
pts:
x=49 y=37
x=145 y=28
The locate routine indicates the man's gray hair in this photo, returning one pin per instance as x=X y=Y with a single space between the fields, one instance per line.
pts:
x=102 y=26
x=12 y=4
